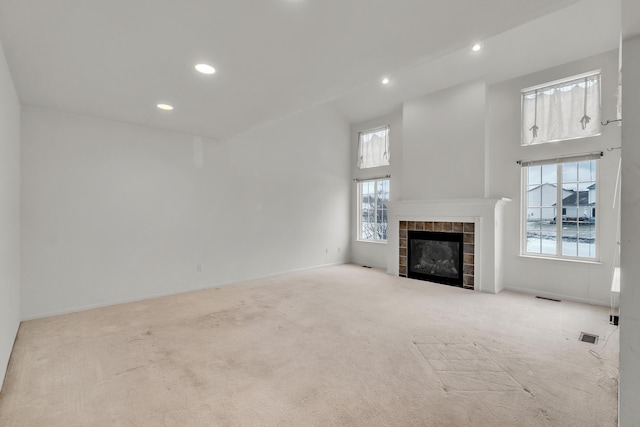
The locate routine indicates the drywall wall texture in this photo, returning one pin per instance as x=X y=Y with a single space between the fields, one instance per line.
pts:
x=630 y=241
x=9 y=214
x=566 y=280
x=444 y=143
x=115 y=212
x=368 y=253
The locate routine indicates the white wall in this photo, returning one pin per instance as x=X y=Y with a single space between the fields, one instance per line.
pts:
x=566 y=280
x=115 y=212
x=444 y=144
x=374 y=254
x=630 y=242
x=463 y=142
x=9 y=214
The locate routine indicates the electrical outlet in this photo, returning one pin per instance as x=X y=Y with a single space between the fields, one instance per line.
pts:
x=338 y=250
x=326 y=250
x=198 y=267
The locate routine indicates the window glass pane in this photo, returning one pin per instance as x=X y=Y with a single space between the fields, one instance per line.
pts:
x=533 y=243
x=548 y=242
x=587 y=240
x=533 y=231
x=533 y=217
x=548 y=214
x=541 y=241
x=533 y=222
x=549 y=174
x=366 y=220
x=588 y=171
x=367 y=188
x=579 y=239
x=374 y=196
x=382 y=219
x=534 y=175
x=569 y=174
x=569 y=246
x=586 y=223
x=535 y=196
x=541 y=235
x=381 y=233
x=367 y=226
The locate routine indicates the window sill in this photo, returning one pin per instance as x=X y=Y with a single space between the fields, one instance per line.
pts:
x=571 y=260
x=377 y=242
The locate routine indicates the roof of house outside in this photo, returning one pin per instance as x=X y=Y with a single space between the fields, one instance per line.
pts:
x=549 y=185
x=581 y=196
x=542 y=185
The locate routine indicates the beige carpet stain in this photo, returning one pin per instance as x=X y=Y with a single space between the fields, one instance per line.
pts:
x=336 y=346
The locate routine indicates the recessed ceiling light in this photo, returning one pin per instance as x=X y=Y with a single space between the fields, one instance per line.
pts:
x=205 y=68
x=476 y=47
x=165 y=107
x=385 y=81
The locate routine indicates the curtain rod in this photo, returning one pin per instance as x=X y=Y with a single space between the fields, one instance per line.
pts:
x=610 y=121
x=567 y=156
x=371 y=179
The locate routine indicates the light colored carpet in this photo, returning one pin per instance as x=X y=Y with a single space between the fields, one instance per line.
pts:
x=335 y=346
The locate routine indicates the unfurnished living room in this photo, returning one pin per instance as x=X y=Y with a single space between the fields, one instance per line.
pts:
x=319 y=213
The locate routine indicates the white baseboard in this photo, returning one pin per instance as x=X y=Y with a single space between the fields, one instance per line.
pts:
x=3 y=369
x=558 y=296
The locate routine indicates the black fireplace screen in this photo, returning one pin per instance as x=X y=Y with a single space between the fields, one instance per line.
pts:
x=436 y=257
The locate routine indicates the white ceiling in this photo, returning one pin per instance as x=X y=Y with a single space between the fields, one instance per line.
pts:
x=117 y=59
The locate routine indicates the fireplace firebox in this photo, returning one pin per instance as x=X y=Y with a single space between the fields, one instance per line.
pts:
x=435 y=257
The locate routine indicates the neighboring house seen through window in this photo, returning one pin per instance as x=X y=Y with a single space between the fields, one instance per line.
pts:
x=373 y=197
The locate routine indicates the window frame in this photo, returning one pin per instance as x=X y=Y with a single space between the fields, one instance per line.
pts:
x=359 y=210
x=559 y=224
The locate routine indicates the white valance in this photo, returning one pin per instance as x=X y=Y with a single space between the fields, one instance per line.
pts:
x=561 y=110
x=373 y=148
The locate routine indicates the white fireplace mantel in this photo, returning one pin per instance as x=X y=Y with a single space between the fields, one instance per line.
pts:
x=487 y=214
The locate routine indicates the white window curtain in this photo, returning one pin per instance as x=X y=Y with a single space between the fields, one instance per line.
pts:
x=560 y=111
x=373 y=148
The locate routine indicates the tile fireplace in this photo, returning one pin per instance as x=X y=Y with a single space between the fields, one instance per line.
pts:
x=478 y=221
x=440 y=252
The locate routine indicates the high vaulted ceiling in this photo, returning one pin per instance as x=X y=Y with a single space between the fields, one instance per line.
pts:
x=117 y=59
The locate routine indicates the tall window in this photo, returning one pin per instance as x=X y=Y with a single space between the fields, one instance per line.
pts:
x=560 y=207
x=373 y=197
x=565 y=109
x=373 y=148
